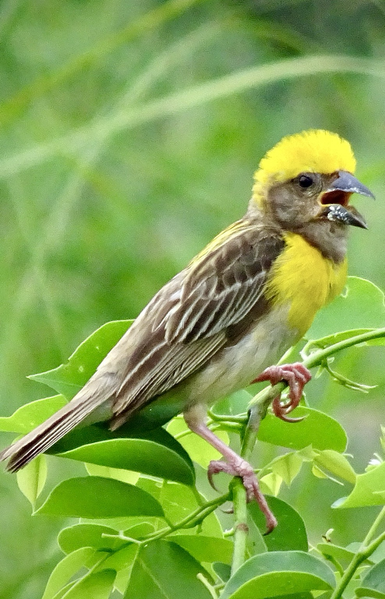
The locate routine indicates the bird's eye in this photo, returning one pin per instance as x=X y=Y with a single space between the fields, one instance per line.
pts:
x=305 y=181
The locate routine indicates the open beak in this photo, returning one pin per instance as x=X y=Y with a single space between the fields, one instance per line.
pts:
x=336 y=200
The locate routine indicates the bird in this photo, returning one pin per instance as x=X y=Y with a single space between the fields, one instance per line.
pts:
x=230 y=314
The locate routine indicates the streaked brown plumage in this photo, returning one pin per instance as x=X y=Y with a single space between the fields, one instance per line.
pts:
x=233 y=310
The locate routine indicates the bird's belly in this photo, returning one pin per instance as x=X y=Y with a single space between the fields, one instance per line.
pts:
x=237 y=366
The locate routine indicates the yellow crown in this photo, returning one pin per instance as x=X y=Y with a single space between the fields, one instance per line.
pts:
x=315 y=151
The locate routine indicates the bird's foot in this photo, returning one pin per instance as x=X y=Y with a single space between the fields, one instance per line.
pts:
x=245 y=471
x=296 y=375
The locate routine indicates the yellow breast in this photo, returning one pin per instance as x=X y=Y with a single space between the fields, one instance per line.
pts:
x=306 y=280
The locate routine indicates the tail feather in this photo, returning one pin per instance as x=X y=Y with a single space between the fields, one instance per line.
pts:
x=93 y=395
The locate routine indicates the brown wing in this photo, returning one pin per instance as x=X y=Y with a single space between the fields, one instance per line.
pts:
x=189 y=320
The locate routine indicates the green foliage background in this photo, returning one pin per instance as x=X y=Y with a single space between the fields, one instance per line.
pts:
x=129 y=135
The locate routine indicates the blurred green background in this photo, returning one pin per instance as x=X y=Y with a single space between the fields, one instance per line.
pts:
x=130 y=131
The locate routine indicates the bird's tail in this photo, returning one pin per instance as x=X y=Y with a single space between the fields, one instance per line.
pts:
x=90 y=397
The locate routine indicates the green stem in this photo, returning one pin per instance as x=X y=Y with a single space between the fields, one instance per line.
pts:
x=373 y=529
x=191 y=520
x=318 y=357
x=239 y=493
x=365 y=551
x=258 y=407
x=240 y=525
x=266 y=396
x=238 y=419
x=86 y=575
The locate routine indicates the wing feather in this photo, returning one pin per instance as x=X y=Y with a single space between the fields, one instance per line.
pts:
x=195 y=314
x=239 y=269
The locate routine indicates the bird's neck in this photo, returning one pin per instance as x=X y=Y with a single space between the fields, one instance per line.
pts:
x=305 y=280
x=328 y=237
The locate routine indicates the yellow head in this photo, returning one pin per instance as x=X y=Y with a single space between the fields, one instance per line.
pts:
x=316 y=151
x=304 y=184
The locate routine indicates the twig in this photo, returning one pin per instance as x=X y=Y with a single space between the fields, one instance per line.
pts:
x=191 y=520
x=317 y=358
x=257 y=413
x=365 y=551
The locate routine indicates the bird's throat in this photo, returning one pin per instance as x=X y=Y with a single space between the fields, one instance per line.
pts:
x=305 y=280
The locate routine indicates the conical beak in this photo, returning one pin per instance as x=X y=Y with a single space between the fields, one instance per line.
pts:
x=336 y=200
x=349 y=184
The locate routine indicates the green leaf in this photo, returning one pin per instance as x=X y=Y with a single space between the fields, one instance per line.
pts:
x=360 y=306
x=256 y=538
x=287 y=466
x=279 y=573
x=126 y=476
x=336 y=463
x=302 y=596
x=366 y=593
x=89 y=535
x=206 y=549
x=178 y=501
x=324 y=342
x=156 y=438
x=66 y=569
x=379 y=554
x=31 y=479
x=164 y=570
x=374 y=580
x=368 y=490
x=345 y=381
x=318 y=473
x=141 y=527
x=317 y=429
x=198 y=449
x=141 y=455
x=122 y=559
x=222 y=570
x=32 y=414
x=233 y=404
x=340 y=554
x=69 y=377
x=289 y=535
x=97 y=497
x=97 y=585
x=270 y=483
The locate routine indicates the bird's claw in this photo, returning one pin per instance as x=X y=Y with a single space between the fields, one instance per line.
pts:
x=245 y=471
x=282 y=409
x=296 y=375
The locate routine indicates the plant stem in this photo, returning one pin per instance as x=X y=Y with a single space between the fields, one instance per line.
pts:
x=257 y=413
x=373 y=528
x=89 y=573
x=191 y=520
x=240 y=525
x=258 y=407
x=317 y=358
x=366 y=549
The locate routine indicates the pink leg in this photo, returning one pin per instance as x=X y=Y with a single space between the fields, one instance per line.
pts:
x=296 y=375
x=235 y=466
